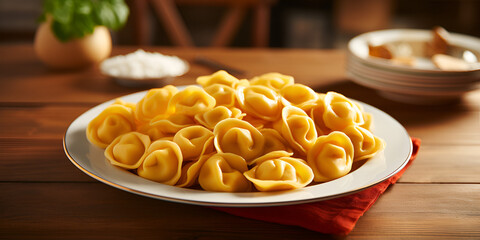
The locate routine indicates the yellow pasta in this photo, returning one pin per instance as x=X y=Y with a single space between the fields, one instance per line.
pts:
x=211 y=117
x=112 y=122
x=298 y=95
x=367 y=121
x=219 y=77
x=128 y=150
x=229 y=135
x=341 y=112
x=159 y=127
x=365 y=144
x=238 y=137
x=194 y=141
x=331 y=156
x=273 y=80
x=316 y=114
x=297 y=128
x=274 y=141
x=162 y=163
x=260 y=102
x=190 y=172
x=223 y=172
x=224 y=95
x=191 y=100
x=275 y=173
x=154 y=103
x=126 y=104
x=257 y=122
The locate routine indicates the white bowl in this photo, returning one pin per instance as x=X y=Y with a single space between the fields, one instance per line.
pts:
x=358 y=46
x=142 y=68
x=422 y=83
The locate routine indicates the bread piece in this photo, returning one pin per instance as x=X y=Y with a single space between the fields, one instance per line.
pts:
x=449 y=63
x=380 y=51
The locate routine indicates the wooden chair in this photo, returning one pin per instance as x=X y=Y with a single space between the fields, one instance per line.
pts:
x=175 y=27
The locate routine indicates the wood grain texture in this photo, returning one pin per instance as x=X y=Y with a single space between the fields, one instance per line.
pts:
x=90 y=86
x=444 y=164
x=424 y=211
x=36 y=160
x=94 y=210
x=39 y=122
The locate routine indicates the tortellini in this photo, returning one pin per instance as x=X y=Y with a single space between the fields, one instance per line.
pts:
x=274 y=141
x=191 y=100
x=223 y=172
x=297 y=128
x=112 y=122
x=236 y=135
x=316 y=113
x=162 y=163
x=191 y=170
x=341 y=112
x=219 y=77
x=365 y=144
x=160 y=128
x=154 y=103
x=331 y=156
x=128 y=150
x=274 y=173
x=298 y=95
x=224 y=95
x=259 y=101
x=273 y=80
x=194 y=141
x=210 y=118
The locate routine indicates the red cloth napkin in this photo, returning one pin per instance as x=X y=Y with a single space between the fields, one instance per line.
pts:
x=336 y=216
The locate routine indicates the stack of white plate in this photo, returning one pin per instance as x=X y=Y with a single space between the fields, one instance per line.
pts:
x=420 y=83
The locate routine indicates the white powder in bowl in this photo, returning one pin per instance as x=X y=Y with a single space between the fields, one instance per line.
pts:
x=143 y=65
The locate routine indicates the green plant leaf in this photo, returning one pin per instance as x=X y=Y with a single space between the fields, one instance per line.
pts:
x=105 y=14
x=61 y=31
x=112 y=13
x=83 y=7
x=77 y=18
x=121 y=10
x=63 y=11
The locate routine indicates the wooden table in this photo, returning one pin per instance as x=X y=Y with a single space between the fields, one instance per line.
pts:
x=44 y=196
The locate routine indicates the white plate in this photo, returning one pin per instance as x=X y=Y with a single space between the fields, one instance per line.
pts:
x=419 y=87
x=406 y=95
x=90 y=159
x=406 y=77
x=396 y=79
x=160 y=78
x=358 y=46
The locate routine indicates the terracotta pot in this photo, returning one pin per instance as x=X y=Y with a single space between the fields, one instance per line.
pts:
x=75 y=53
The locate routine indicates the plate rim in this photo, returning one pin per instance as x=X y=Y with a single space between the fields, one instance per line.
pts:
x=419 y=33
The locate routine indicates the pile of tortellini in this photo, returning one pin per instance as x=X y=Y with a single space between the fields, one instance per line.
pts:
x=263 y=134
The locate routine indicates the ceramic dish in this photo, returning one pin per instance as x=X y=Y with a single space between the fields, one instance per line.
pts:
x=397 y=76
x=398 y=80
x=421 y=83
x=141 y=69
x=142 y=82
x=416 y=39
x=90 y=160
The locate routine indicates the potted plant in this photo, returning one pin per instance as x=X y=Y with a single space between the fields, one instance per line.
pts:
x=75 y=33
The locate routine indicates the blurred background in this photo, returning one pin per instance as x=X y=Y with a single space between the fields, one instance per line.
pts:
x=259 y=23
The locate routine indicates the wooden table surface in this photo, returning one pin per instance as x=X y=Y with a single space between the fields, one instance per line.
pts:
x=44 y=196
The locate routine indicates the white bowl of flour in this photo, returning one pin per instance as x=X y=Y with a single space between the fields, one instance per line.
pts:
x=143 y=68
